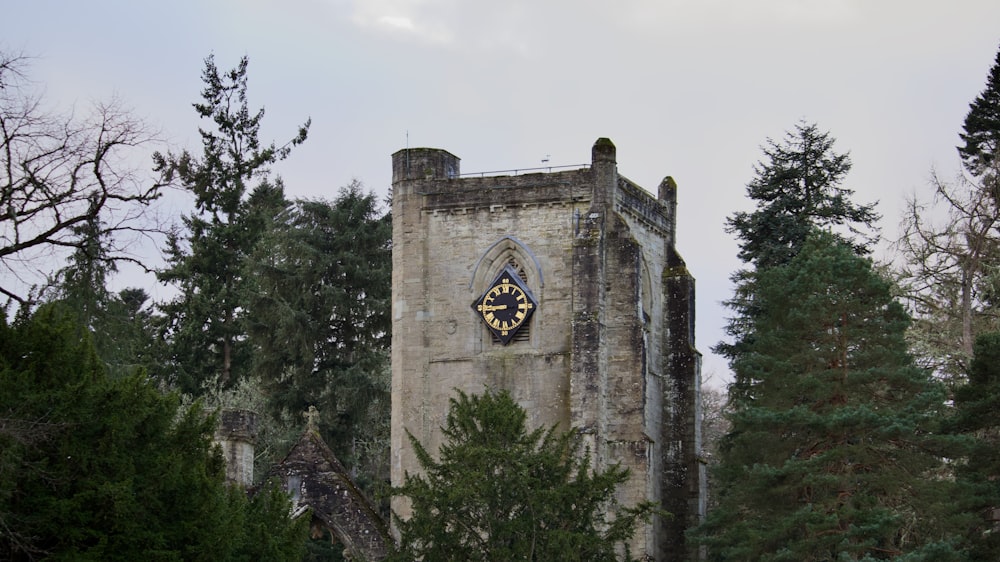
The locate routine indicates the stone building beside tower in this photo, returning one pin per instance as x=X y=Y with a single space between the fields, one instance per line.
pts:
x=564 y=288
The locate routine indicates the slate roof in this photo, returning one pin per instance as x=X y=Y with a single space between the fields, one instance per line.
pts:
x=317 y=481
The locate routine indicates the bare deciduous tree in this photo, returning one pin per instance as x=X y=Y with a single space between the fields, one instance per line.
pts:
x=714 y=427
x=949 y=270
x=59 y=172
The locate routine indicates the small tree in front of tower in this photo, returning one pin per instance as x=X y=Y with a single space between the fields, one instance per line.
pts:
x=500 y=492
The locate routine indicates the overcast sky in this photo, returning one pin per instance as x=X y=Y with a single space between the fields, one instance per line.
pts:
x=685 y=88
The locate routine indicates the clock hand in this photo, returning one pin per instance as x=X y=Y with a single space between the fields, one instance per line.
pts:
x=492 y=307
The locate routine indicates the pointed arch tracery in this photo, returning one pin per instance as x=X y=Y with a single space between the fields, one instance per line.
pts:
x=508 y=251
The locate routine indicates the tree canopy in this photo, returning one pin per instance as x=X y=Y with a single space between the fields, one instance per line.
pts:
x=291 y=294
x=502 y=492
x=832 y=452
x=318 y=318
x=981 y=128
x=101 y=468
x=949 y=269
x=977 y=404
x=204 y=324
x=797 y=188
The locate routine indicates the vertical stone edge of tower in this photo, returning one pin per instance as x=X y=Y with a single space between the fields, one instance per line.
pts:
x=684 y=472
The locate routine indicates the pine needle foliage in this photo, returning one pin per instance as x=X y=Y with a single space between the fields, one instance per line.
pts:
x=981 y=128
x=797 y=188
x=833 y=451
x=319 y=309
x=234 y=197
x=977 y=404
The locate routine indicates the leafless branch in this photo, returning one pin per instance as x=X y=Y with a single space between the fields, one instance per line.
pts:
x=950 y=246
x=58 y=173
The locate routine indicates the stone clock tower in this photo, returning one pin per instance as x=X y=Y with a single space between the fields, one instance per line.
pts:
x=565 y=289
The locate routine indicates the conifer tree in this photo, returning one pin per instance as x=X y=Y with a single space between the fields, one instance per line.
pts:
x=120 y=325
x=500 y=492
x=796 y=189
x=100 y=468
x=977 y=404
x=982 y=127
x=831 y=455
x=319 y=319
x=204 y=324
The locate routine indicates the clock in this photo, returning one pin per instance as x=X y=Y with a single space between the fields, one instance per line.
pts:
x=506 y=305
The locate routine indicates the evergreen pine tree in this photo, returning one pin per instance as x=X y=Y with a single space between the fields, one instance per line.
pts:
x=831 y=452
x=83 y=283
x=977 y=404
x=119 y=324
x=798 y=188
x=982 y=127
x=319 y=319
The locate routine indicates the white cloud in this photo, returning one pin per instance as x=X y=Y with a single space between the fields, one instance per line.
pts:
x=490 y=27
x=397 y=22
x=713 y=16
x=406 y=20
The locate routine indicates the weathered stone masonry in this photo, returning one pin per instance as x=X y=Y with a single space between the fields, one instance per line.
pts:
x=609 y=350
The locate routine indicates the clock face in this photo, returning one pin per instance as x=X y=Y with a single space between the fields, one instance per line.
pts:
x=505 y=306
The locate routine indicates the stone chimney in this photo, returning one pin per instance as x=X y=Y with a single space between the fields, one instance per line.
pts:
x=237 y=434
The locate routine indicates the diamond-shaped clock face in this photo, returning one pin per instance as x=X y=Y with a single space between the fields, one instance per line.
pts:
x=506 y=305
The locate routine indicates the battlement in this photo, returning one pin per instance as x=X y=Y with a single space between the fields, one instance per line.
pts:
x=424 y=163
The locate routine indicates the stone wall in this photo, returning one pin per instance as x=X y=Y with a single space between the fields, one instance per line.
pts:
x=450 y=239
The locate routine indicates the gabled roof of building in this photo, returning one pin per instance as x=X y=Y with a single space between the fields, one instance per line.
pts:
x=318 y=481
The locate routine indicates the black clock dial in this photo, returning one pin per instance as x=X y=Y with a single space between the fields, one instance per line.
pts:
x=505 y=306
